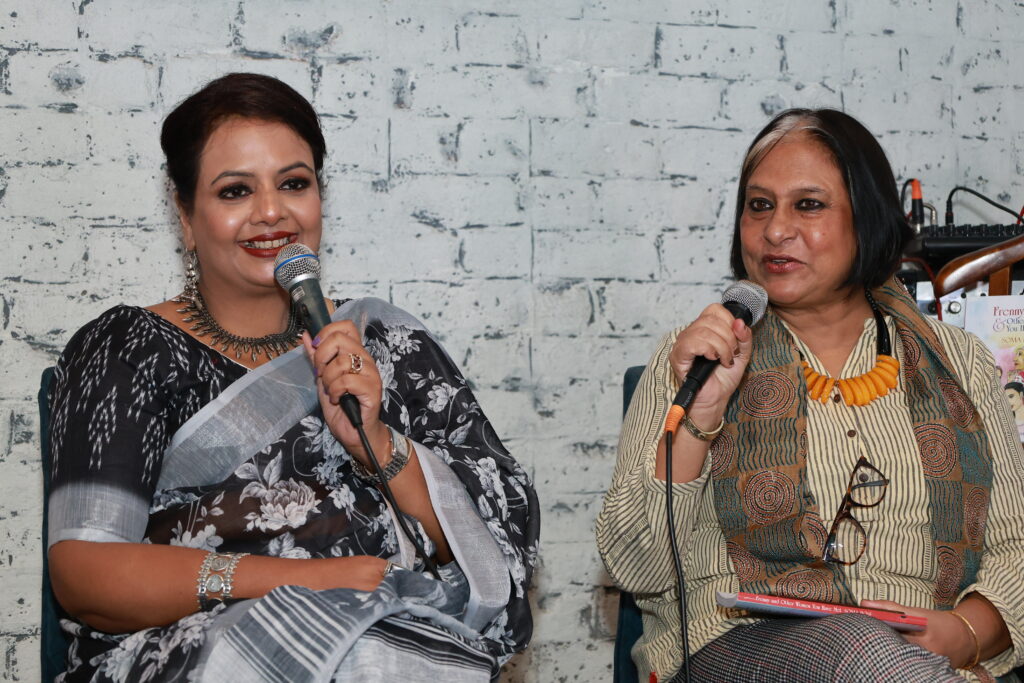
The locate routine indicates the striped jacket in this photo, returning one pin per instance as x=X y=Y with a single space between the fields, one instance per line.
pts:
x=899 y=563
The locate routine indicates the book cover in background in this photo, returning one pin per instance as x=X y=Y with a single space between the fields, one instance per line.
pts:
x=999 y=322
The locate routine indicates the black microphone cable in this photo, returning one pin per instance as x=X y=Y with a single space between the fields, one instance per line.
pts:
x=746 y=301
x=677 y=561
x=350 y=406
x=961 y=188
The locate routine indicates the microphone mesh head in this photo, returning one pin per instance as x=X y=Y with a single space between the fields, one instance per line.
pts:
x=295 y=260
x=750 y=295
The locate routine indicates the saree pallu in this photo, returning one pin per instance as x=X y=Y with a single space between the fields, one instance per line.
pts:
x=253 y=468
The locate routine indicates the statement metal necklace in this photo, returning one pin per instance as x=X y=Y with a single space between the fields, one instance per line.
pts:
x=204 y=325
x=862 y=389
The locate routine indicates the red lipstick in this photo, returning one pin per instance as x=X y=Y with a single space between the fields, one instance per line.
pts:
x=267 y=244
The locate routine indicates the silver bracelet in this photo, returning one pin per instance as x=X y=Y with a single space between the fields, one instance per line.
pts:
x=399 y=459
x=216 y=578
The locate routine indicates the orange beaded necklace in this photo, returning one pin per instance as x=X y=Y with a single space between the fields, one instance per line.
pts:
x=862 y=389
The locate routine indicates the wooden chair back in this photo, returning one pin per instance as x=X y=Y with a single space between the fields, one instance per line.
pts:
x=994 y=262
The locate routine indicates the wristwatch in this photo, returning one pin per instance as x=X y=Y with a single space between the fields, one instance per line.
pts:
x=399 y=459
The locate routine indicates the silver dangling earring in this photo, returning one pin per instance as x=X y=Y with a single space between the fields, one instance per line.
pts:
x=194 y=313
x=191 y=292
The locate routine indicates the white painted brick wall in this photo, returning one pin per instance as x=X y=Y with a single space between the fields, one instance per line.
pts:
x=549 y=184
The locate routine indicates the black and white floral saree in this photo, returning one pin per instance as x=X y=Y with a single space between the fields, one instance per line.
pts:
x=155 y=438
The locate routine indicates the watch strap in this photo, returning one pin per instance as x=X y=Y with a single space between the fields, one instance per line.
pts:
x=400 y=453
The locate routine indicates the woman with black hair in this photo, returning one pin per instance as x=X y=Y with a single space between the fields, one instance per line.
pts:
x=846 y=449
x=1015 y=397
x=213 y=515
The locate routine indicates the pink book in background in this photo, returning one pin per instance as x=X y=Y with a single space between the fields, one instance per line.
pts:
x=999 y=322
x=789 y=607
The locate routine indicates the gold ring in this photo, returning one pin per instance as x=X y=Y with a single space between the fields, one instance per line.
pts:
x=355 y=363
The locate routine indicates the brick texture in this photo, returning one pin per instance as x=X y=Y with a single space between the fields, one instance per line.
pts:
x=549 y=184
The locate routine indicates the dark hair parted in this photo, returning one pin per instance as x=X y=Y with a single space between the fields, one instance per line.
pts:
x=1016 y=386
x=881 y=227
x=242 y=95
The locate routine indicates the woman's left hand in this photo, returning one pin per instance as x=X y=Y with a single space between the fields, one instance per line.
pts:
x=343 y=366
x=945 y=634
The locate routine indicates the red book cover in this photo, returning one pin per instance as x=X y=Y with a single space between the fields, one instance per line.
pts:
x=791 y=607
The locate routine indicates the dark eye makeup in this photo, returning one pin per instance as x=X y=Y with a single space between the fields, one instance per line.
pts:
x=295 y=184
x=239 y=190
x=810 y=204
x=758 y=204
x=234 y=191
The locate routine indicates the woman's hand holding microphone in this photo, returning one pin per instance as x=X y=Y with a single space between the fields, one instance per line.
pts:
x=719 y=336
x=343 y=366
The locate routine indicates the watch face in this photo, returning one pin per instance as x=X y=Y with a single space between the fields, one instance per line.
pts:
x=214 y=584
x=220 y=563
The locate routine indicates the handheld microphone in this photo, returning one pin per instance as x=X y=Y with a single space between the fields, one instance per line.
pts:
x=297 y=270
x=746 y=301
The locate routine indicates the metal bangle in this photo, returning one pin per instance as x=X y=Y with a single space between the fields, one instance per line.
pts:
x=700 y=433
x=974 y=636
x=216 y=578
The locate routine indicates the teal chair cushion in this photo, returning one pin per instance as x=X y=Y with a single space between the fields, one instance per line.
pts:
x=630 y=624
x=54 y=643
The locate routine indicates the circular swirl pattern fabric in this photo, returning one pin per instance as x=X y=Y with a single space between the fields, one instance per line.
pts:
x=938 y=449
x=960 y=407
x=769 y=394
x=951 y=573
x=746 y=565
x=911 y=354
x=768 y=497
x=814 y=535
x=976 y=515
x=723 y=454
x=807 y=584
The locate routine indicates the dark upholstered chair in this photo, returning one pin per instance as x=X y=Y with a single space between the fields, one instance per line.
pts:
x=630 y=625
x=54 y=644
